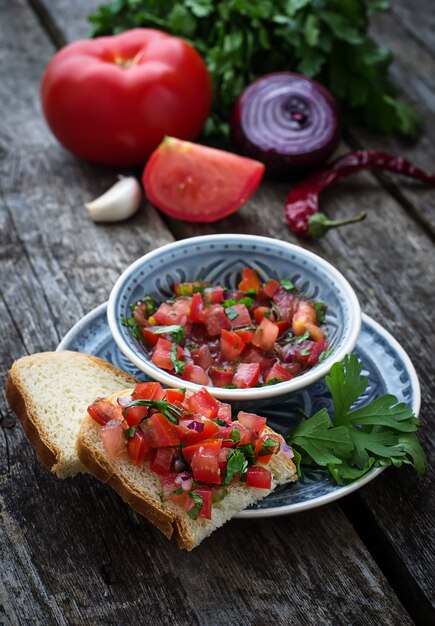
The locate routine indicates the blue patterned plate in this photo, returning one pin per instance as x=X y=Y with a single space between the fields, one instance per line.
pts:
x=387 y=366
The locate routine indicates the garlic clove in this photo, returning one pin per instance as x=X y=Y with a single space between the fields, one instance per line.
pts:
x=118 y=203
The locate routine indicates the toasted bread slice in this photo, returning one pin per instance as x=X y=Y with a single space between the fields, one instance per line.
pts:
x=50 y=393
x=141 y=488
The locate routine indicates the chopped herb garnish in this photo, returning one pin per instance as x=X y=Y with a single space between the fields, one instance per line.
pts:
x=320 y=311
x=196 y=509
x=324 y=355
x=220 y=422
x=132 y=325
x=176 y=331
x=231 y=313
x=178 y=365
x=273 y=381
x=171 y=411
x=234 y=436
x=305 y=352
x=230 y=387
x=251 y=292
x=290 y=338
x=130 y=432
x=236 y=464
x=288 y=284
x=268 y=446
x=248 y=451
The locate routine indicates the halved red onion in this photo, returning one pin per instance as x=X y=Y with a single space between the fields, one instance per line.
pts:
x=286 y=450
x=287 y=121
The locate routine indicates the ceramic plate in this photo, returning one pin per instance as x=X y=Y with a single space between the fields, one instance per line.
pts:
x=387 y=366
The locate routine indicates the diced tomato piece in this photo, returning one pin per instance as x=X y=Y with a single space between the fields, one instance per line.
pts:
x=213 y=444
x=202 y=357
x=113 y=438
x=160 y=432
x=245 y=335
x=205 y=465
x=285 y=302
x=215 y=319
x=282 y=327
x=247 y=375
x=197 y=309
x=258 y=477
x=250 y=281
x=279 y=373
x=169 y=486
x=251 y=420
x=167 y=315
x=221 y=377
x=266 y=335
x=222 y=458
x=214 y=295
x=263 y=451
x=135 y=414
x=196 y=374
x=231 y=345
x=305 y=320
x=207 y=498
x=174 y=395
x=148 y=391
x=138 y=448
x=255 y=356
x=140 y=314
x=203 y=403
x=224 y=412
x=271 y=287
x=162 y=354
x=102 y=411
x=162 y=461
x=316 y=351
x=150 y=336
x=238 y=315
x=261 y=312
x=194 y=433
x=247 y=435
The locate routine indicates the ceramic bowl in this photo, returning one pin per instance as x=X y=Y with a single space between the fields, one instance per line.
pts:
x=220 y=259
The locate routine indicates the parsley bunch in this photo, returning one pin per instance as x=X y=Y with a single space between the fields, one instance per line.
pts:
x=352 y=441
x=241 y=40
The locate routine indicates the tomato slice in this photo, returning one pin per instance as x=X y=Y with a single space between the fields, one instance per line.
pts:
x=148 y=391
x=202 y=403
x=259 y=477
x=247 y=375
x=231 y=345
x=138 y=448
x=102 y=411
x=162 y=461
x=205 y=465
x=160 y=432
x=197 y=183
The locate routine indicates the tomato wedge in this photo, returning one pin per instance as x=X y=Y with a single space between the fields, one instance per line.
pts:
x=197 y=183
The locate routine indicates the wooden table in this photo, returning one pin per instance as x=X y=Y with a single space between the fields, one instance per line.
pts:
x=71 y=551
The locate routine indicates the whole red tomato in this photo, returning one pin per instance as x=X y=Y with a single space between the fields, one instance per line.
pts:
x=111 y=100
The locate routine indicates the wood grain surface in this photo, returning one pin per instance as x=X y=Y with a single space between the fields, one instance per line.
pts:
x=71 y=552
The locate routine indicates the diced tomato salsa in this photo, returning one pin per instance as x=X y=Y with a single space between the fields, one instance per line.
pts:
x=210 y=335
x=190 y=440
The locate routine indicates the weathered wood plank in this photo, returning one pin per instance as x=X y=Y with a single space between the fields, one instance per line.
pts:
x=417 y=17
x=73 y=551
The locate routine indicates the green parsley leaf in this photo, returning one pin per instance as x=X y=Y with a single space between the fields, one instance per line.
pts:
x=320 y=311
x=132 y=325
x=169 y=410
x=290 y=338
x=196 y=509
x=234 y=436
x=231 y=313
x=288 y=284
x=274 y=381
x=178 y=365
x=268 y=446
x=130 y=432
x=236 y=464
x=219 y=422
x=345 y=384
x=176 y=331
x=248 y=451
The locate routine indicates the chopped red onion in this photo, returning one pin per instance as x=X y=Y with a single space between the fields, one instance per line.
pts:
x=123 y=401
x=286 y=450
x=185 y=481
x=195 y=425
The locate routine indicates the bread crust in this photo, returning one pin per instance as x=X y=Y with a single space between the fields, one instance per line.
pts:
x=23 y=406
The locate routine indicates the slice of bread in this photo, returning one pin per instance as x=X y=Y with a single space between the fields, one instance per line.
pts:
x=50 y=393
x=141 y=488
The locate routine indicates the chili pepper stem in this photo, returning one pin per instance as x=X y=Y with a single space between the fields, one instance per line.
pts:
x=319 y=224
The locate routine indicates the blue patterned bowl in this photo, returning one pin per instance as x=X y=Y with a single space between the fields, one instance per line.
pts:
x=220 y=259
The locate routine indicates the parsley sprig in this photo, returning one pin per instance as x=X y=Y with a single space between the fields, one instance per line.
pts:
x=352 y=441
x=241 y=40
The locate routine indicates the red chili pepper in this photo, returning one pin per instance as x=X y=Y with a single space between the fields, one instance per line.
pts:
x=302 y=206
